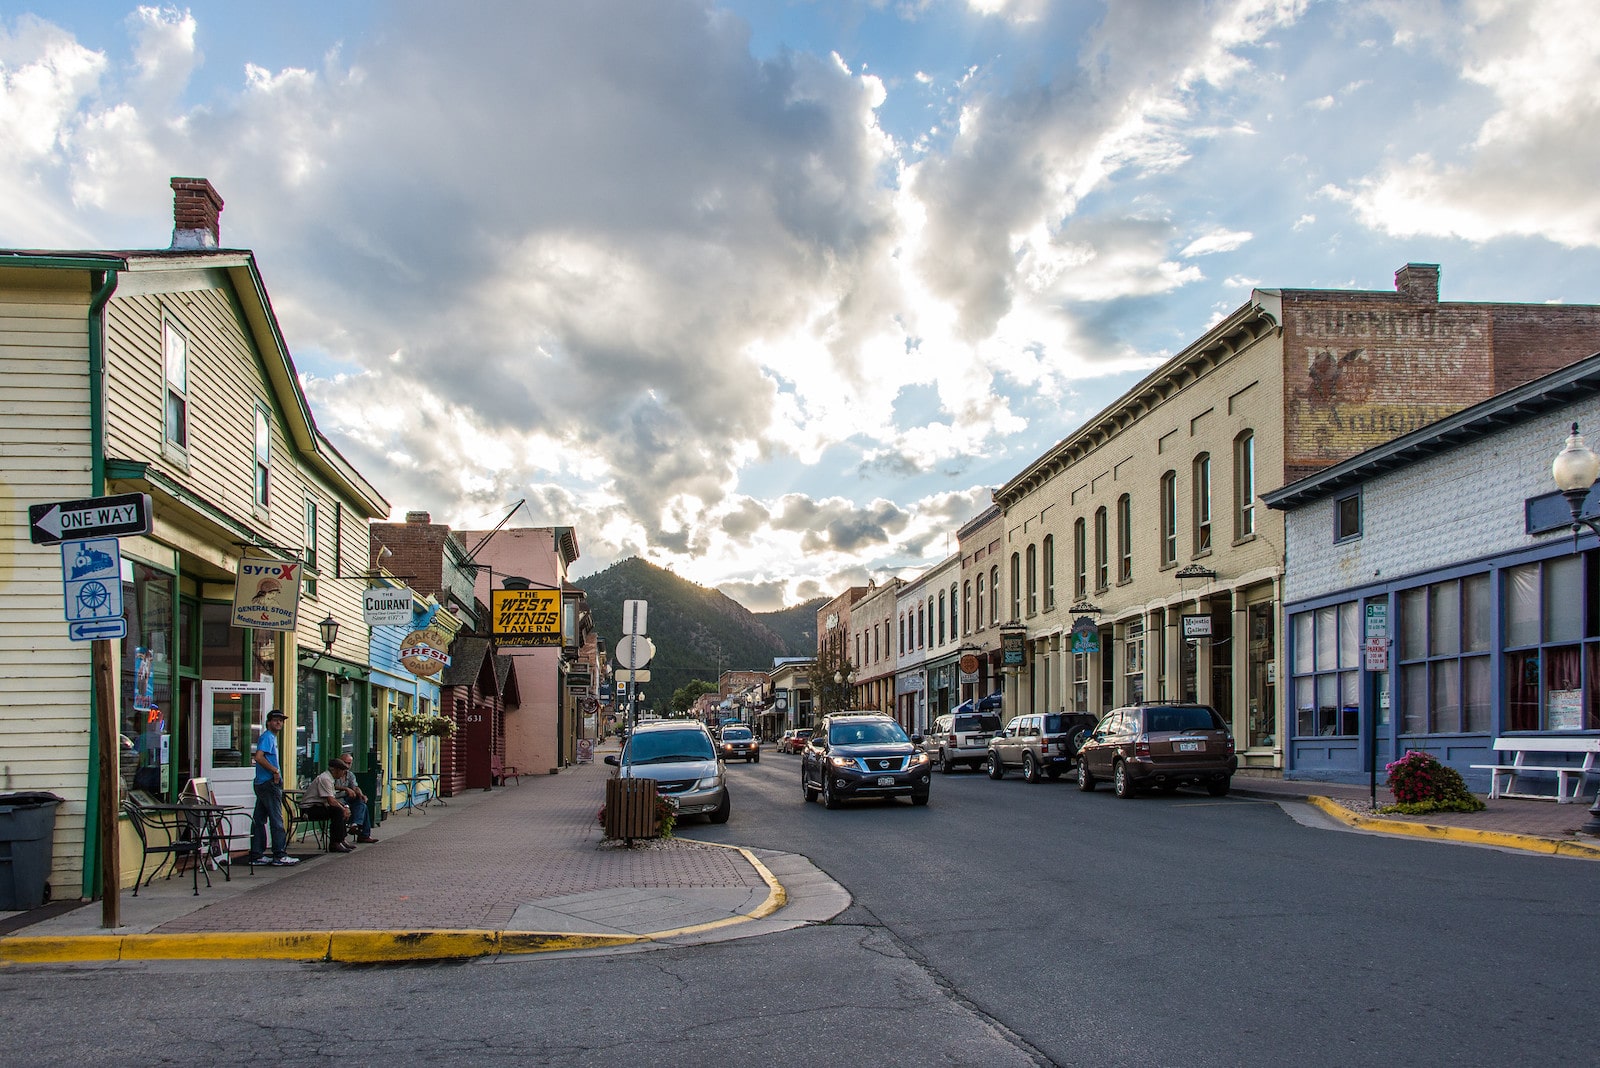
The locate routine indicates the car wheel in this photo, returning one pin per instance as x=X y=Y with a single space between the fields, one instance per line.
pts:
x=755 y=760
x=1121 y=782
x=1030 y=768
x=919 y=799
x=721 y=813
x=1219 y=787
x=828 y=800
x=805 y=786
x=1085 y=780
x=997 y=770
x=946 y=765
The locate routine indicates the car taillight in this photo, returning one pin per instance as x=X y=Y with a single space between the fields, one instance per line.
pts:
x=1228 y=747
x=1141 y=746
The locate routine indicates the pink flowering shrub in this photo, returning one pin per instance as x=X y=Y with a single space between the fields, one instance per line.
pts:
x=1421 y=784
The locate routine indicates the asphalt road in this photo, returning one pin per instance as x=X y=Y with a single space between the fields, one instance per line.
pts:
x=1002 y=924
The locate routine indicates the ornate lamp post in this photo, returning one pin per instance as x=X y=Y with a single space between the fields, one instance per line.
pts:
x=1575 y=470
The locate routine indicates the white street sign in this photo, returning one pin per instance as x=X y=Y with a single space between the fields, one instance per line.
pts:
x=634 y=614
x=632 y=676
x=635 y=651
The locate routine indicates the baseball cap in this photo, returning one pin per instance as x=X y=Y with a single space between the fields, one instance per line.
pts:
x=276 y=713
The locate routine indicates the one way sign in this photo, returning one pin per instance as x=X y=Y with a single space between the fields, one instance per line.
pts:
x=97 y=517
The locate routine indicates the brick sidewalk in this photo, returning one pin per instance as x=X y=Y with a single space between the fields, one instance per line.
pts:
x=469 y=865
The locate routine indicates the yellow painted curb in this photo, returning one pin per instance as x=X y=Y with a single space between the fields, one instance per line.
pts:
x=547 y=942
x=60 y=950
x=776 y=898
x=1504 y=839
x=252 y=945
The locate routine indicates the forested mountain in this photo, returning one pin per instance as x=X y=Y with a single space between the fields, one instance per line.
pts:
x=698 y=632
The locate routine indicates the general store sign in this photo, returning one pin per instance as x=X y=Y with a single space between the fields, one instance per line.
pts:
x=520 y=618
x=266 y=593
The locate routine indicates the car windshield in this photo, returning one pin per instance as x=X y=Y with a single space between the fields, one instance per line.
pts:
x=1180 y=719
x=873 y=731
x=737 y=734
x=662 y=747
x=976 y=722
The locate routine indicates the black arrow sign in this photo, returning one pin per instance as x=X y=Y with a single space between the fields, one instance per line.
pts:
x=97 y=517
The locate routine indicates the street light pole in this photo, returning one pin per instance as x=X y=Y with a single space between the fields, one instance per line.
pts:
x=1575 y=470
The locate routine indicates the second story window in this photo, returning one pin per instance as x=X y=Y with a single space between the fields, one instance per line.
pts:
x=311 y=548
x=1049 y=564
x=1080 y=559
x=980 y=603
x=1102 y=551
x=1169 y=518
x=994 y=595
x=263 y=458
x=1016 y=586
x=1244 y=485
x=1033 y=580
x=1202 y=503
x=1347 y=517
x=175 y=359
x=1124 y=538
x=966 y=607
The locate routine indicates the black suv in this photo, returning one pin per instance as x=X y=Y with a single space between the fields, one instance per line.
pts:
x=863 y=754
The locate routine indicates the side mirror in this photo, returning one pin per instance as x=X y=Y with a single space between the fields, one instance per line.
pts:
x=916 y=739
x=611 y=758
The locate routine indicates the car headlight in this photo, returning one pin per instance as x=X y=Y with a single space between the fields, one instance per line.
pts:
x=917 y=758
x=842 y=761
x=709 y=783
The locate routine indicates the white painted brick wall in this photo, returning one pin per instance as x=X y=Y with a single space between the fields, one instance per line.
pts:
x=1457 y=506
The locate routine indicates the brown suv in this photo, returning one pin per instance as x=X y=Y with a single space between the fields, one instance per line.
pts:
x=1165 y=746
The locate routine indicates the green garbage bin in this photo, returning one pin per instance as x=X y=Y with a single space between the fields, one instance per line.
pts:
x=27 y=834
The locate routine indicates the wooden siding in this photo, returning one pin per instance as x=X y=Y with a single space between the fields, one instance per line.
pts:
x=44 y=456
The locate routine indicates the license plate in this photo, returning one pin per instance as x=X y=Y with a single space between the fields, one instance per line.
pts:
x=1191 y=747
x=885 y=780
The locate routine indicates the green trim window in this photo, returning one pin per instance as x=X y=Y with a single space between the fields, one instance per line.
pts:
x=311 y=547
x=263 y=451
x=1049 y=564
x=1125 y=538
x=1202 y=504
x=1102 y=552
x=1080 y=557
x=1169 y=518
x=1244 y=485
x=175 y=368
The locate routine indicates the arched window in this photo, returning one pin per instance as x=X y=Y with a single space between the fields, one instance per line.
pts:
x=955 y=631
x=940 y=631
x=1202 y=503
x=1049 y=564
x=1080 y=559
x=980 y=603
x=994 y=595
x=1102 y=551
x=1169 y=518
x=1016 y=585
x=1124 y=538
x=1244 y=485
x=966 y=607
x=1033 y=580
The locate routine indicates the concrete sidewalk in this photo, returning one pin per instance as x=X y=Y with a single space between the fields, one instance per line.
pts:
x=517 y=870
x=523 y=869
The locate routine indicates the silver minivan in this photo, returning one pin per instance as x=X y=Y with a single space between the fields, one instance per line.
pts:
x=680 y=756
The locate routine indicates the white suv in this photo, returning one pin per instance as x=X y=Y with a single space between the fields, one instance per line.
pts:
x=961 y=738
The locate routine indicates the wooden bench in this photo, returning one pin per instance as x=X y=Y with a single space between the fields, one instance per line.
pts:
x=1525 y=756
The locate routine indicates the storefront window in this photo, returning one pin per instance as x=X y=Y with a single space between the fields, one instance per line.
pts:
x=308 y=734
x=149 y=599
x=1444 y=657
x=1133 y=662
x=1327 y=684
x=1263 y=676
x=1552 y=684
x=1080 y=682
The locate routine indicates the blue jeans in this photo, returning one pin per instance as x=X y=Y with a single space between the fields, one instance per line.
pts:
x=268 y=814
x=358 y=817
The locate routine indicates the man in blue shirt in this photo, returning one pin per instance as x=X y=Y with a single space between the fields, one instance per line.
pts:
x=269 y=798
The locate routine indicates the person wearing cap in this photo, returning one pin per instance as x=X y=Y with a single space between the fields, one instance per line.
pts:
x=321 y=801
x=269 y=798
x=344 y=781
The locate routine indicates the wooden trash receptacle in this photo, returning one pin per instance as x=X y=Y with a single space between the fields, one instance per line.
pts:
x=631 y=809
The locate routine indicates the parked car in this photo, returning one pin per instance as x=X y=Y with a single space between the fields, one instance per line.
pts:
x=794 y=740
x=962 y=737
x=739 y=743
x=863 y=754
x=1160 y=745
x=1042 y=744
x=680 y=756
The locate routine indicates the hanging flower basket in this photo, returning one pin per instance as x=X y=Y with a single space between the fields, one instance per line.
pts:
x=405 y=724
x=439 y=726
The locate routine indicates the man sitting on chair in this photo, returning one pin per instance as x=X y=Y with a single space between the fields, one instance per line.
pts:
x=344 y=780
x=321 y=801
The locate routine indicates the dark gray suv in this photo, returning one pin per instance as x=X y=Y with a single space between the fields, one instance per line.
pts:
x=863 y=754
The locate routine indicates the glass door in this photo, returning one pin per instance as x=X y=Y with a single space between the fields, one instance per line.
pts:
x=231 y=716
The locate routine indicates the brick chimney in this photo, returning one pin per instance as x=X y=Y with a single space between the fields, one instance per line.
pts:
x=418 y=517
x=1419 y=282
x=196 y=214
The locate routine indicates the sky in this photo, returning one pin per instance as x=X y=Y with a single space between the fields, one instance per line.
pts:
x=775 y=294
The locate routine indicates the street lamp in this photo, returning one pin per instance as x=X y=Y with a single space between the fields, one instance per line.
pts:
x=1575 y=469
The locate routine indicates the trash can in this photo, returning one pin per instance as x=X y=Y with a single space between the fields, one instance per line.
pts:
x=27 y=833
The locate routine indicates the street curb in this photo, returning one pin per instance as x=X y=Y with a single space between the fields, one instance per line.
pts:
x=1528 y=843
x=357 y=947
